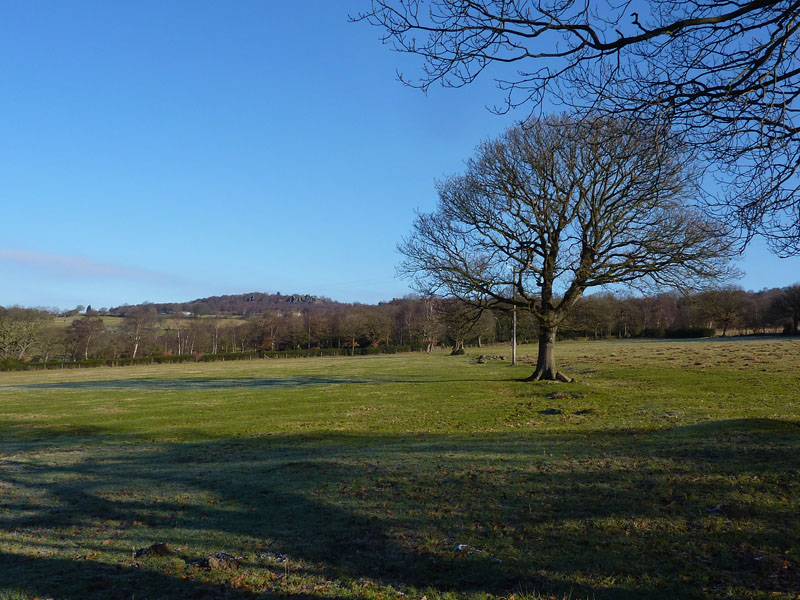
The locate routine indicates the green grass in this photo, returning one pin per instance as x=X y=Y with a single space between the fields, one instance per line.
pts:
x=668 y=470
x=107 y=321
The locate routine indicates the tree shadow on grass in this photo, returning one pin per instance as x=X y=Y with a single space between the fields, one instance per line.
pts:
x=204 y=383
x=691 y=512
x=67 y=579
x=208 y=383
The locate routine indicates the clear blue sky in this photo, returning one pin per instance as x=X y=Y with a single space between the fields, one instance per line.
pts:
x=172 y=150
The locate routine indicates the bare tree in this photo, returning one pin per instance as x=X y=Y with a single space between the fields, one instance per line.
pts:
x=558 y=206
x=82 y=334
x=351 y=327
x=213 y=327
x=484 y=329
x=591 y=315
x=377 y=324
x=429 y=325
x=270 y=331
x=459 y=319
x=50 y=341
x=723 y=306
x=726 y=74
x=139 y=322
x=403 y=317
x=19 y=330
x=787 y=304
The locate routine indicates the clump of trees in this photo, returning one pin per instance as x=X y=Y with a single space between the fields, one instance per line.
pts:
x=787 y=304
x=672 y=314
x=21 y=330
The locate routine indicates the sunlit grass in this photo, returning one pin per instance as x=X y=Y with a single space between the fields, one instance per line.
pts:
x=667 y=470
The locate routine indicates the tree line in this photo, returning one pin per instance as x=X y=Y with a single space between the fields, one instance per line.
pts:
x=31 y=335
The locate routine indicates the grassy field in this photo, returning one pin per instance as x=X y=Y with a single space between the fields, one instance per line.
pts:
x=668 y=470
x=67 y=321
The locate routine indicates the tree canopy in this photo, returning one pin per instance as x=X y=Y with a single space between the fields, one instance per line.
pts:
x=559 y=205
x=724 y=74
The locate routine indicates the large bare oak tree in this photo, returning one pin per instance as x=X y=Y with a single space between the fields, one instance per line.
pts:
x=558 y=206
x=726 y=73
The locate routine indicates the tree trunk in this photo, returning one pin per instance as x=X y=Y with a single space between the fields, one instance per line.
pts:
x=546 y=361
x=458 y=348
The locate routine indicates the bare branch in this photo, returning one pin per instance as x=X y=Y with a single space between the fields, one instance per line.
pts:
x=725 y=74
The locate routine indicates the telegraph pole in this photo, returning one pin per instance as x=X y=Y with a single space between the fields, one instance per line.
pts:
x=514 y=320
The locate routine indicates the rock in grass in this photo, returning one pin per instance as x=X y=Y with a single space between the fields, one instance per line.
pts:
x=484 y=358
x=158 y=549
x=464 y=549
x=221 y=561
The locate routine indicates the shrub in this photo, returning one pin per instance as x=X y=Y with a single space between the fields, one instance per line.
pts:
x=653 y=332
x=18 y=365
x=690 y=332
x=12 y=364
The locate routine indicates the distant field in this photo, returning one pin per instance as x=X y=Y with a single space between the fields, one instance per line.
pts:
x=166 y=323
x=668 y=470
x=107 y=321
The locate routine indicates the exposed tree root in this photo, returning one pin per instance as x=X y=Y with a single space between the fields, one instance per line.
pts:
x=544 y=376
x=565 y=378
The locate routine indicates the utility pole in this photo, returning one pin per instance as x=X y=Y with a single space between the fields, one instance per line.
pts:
x=514 y=320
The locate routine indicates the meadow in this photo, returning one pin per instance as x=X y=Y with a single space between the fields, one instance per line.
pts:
x=64 y=322
x=667 y=470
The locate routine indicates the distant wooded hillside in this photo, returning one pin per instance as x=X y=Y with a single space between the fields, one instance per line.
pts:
x=250 y=304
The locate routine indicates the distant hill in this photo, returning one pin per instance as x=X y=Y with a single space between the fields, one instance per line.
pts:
x=234 y=304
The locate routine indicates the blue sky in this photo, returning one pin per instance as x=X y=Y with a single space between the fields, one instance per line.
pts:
x=173 y=150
